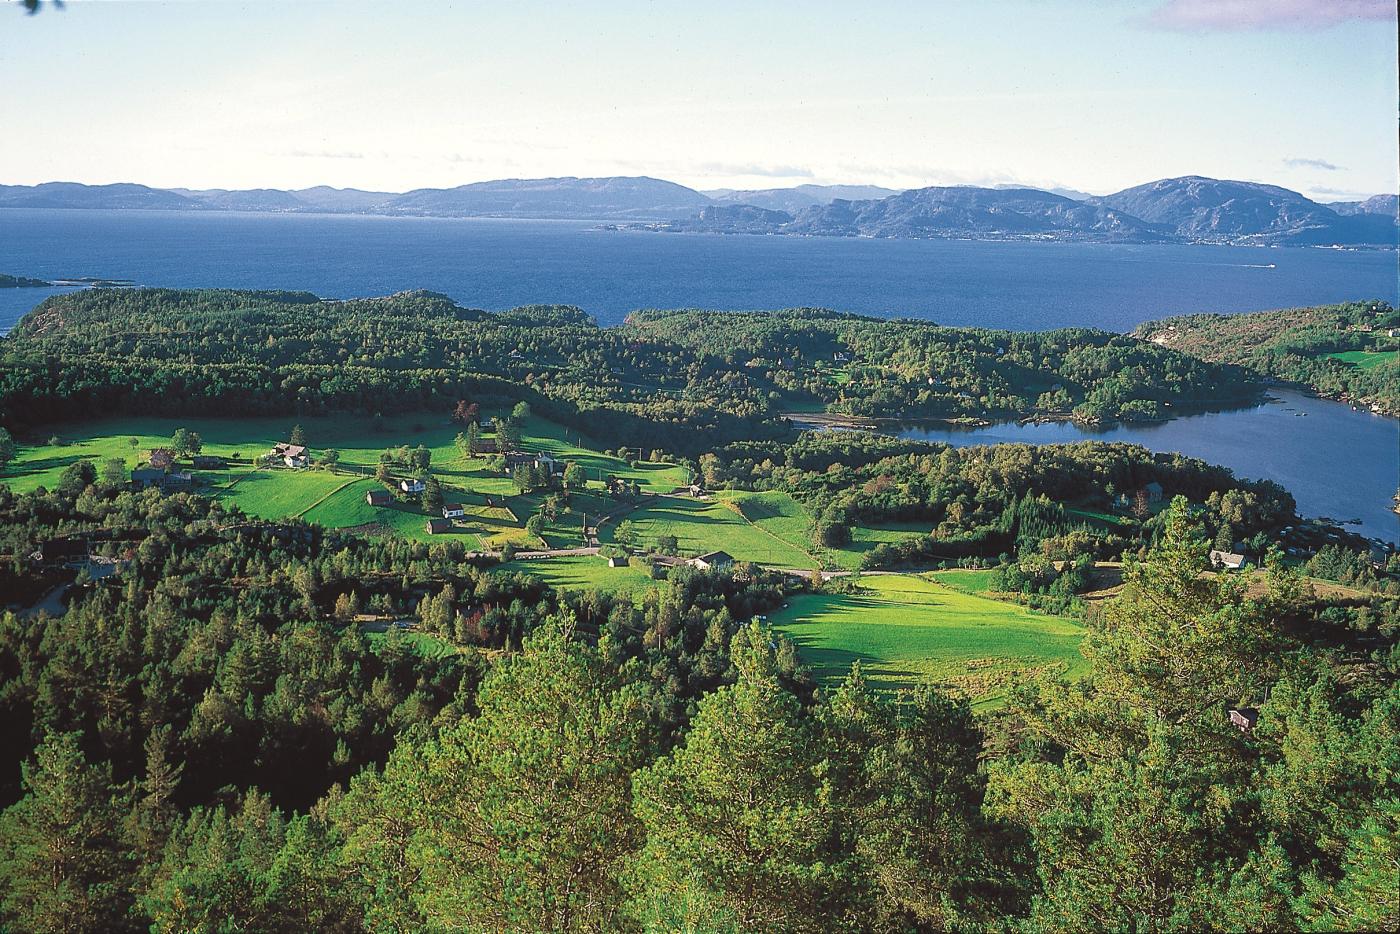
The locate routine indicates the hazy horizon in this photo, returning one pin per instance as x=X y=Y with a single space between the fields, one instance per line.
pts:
x=1091 y=97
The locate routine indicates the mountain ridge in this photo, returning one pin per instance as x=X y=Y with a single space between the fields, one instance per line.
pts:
x=1186 y=209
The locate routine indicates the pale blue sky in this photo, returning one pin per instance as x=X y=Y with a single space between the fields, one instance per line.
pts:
x=1096 y=94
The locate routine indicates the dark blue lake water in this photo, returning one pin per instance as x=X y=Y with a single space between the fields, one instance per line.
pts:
x=1336 y=462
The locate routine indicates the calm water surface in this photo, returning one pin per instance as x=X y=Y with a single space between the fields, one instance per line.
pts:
x=1336 y=462
x=497 y=264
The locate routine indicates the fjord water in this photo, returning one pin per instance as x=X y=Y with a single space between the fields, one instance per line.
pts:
x=1336 y=462
x=497 y=264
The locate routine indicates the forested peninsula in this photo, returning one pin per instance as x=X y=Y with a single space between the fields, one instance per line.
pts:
x=694 y=376
x=1349 y=351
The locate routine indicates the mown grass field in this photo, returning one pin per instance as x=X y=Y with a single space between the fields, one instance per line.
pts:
x=585 y=572
x=700 y=526
x=1365 y=359
x=337 y=499
x=783 y=517
x=909 y=629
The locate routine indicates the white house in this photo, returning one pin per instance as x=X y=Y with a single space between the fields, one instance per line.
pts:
x=1227 y=560
x=412 y=486
x=453 y=511
x=711 y=561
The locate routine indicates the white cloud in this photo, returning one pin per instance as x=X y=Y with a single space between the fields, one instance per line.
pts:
x=1231 y=15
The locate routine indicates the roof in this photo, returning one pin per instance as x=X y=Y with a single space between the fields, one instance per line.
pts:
x=715 y=557
x=379 y=496
x=438 y=525
x=291 y=450
x=1227 y=559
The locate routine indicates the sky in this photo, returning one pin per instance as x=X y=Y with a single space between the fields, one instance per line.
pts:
x=1095 y=95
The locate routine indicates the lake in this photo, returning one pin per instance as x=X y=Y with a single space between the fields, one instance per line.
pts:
x=1337 y=462
x=497 y=264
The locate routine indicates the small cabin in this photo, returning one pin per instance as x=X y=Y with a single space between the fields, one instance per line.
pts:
x=1226 y=560
x=1244 y=718
x=412 y=486
x=453 y=511
x=378 y=498
x=617 y=561
x=438 y=526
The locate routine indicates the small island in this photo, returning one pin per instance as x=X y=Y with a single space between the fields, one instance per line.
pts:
x=21 y=282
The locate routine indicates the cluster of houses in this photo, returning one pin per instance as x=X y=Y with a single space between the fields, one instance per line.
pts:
x=434 y=525
x=661 y=564
x=291 y=455
x=544 y=462
x=162 y=473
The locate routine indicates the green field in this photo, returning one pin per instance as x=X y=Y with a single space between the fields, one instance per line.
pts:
x=906 y=629
x=336 y=499
x=1365 y=359
x=425 y=644
x=783 y=517
x=701 y=526
x=585 y=572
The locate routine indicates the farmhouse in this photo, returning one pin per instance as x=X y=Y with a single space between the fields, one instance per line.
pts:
x=292 y=455
x=712 y=561
x=1228 y=560
x=453 y=511
x=412 y=486
x=143 y=478
x=162 y=458
x=1154 y=492
x=485 y=446
x=378 y=498
x=549 y=464
x=438 y=526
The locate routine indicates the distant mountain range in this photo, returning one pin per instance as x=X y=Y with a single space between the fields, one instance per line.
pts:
x=1175 y=210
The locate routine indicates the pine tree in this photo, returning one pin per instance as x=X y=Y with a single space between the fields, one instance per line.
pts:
x=64 y=865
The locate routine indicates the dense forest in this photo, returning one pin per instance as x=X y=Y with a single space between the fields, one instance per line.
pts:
x=681 y=381
x=214 y=722
x=1349 y=351
x=207 y=740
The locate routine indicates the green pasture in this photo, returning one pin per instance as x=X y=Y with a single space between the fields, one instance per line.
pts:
x=336 y=499
x=710 y=525
x=1365 y=359
x=909 y=629
x=585 y=572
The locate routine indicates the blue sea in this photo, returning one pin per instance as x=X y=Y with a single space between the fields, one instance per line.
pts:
x=499 y=264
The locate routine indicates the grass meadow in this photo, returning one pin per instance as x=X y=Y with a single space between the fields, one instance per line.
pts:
x=908 y=629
